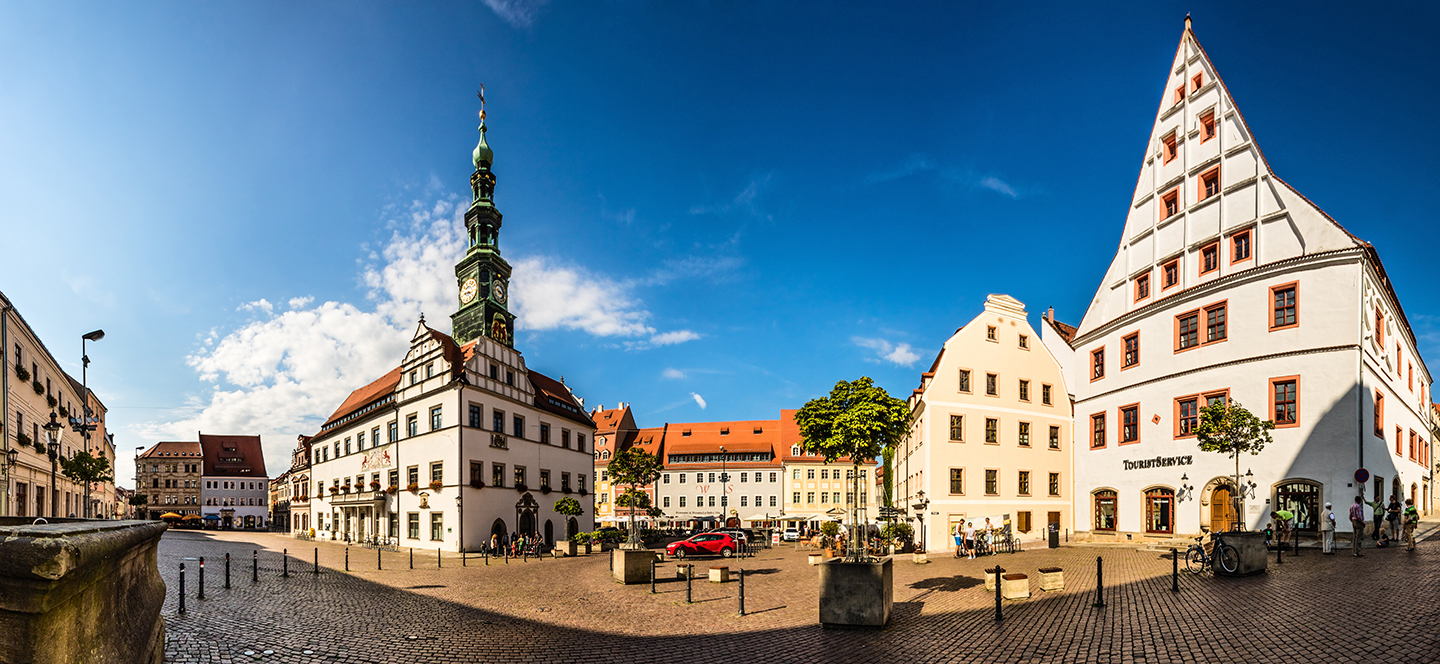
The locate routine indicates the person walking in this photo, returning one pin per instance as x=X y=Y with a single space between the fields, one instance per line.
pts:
x=1392 y=516
x=1327 y=530
x=1412 y=521
x=959 y=538
x=970 y=539
x=1378 y=505
x=1357 y=526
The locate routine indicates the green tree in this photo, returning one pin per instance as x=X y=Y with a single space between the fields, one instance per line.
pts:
x=568 y=507
x=857 y=421
x=82 y=468
x=1228 y=428
x=634 y=467
x=139 y=499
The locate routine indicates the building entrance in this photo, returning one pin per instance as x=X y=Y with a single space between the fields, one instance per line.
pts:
x=1222 y=509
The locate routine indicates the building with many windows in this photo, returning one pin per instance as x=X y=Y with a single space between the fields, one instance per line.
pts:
x=234 y=489
x=1229 y=284
x=989 y=432
x=719 y=473
x=462 y=440
x=168 y=475
x=814 y=491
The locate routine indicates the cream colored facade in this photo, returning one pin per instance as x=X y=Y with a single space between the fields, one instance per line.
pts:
x=990 y=432
x=817 y=491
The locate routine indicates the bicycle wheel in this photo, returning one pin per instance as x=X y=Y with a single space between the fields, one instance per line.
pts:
x=1229 y=558
x=1195 y=560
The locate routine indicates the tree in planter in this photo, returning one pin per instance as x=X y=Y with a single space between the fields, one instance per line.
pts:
x=828 y=532
x=897 y=534
x=858 y=421
x=569 y=507
x=82 y=468
x=634 y=467
x=1227 y=427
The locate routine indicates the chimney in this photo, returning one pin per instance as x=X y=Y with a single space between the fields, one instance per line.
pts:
x=1187 y=23
x=1050 y=314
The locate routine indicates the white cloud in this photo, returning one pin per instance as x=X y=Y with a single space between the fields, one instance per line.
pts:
x=672 y=338
x=301 y=302
x=551 y=296
x=258 y=305
x=699 y=400
x=672 y=373
x=997 y=185
x=916 y=163
x=519 y=13
x=745 y=202
x=899 y=354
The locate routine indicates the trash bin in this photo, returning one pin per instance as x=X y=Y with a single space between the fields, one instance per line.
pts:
x=1054 y=536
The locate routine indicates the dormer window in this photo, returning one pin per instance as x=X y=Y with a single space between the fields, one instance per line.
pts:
x=725 y=431
x=685 y=433
x=795 y=450
x=758 y=430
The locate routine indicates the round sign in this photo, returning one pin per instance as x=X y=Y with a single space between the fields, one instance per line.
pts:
x=1362 y=475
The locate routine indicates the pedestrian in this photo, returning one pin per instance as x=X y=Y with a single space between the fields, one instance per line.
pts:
x=1412 y=521
x=1392 y=516
x=1282 y=526
x=1269 y=534
x=1378 y=505
x=959 y=538
x=1327 y=530
x=1384 y=540
x=1357 y=526
x=970 y=539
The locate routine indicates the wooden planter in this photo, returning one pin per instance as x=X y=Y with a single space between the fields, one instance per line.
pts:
x=990 y=579
x=1052 y=578
x=1015 y=586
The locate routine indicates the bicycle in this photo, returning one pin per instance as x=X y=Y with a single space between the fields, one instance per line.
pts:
x=1197 y=560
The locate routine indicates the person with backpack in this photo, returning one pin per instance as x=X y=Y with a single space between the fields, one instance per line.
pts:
x=1327 y=530
x=1357 y=526
x=1411 y=520
x=1392 y=516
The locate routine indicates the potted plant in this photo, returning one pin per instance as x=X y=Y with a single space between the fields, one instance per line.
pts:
x=568 y=507
x=24 y=439
x=584 y=493
x=334 y=490
x=545 y=489
x=22 y=372
x=858 y=422
x=345 y=489
x=828 y=532
x=64 y=412
x=37 y=386
x=391 y=489
x=566 y=489
x=582 y=539
x=50 y=401
x=520 y=487
x=477 y=483
x=413 y=488
x=436 y=485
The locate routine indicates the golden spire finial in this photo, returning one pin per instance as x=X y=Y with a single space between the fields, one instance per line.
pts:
x=481 y=94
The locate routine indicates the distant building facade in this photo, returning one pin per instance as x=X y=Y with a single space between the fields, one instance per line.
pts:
x=168 y=476
x=235 y=490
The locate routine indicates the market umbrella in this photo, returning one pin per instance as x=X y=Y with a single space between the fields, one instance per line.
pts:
x=170 y=515
x=212 y=517
x=191 y=517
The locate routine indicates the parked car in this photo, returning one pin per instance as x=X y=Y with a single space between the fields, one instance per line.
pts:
x=740 y=535
x=791 y=534
x=704 y=544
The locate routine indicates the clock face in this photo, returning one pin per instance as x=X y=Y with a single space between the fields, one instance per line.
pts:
x=468 y=290
x=499 y=289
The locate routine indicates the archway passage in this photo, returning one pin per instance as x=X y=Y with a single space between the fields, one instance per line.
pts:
x=527 y=522
x=1222 y=509
x=572 y=527
x=497 y=529
x=549 y=534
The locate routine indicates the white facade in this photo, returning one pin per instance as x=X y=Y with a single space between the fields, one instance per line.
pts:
x=434 y=457
x=1272 y=304
x=238 y=503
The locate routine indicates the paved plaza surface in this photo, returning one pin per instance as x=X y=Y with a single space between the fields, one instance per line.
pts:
x=1313 y=608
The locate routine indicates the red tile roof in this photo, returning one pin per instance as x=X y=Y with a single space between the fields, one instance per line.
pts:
x=707 y=437
x=232 y=456
x=172 y=450
x=552 y=396
x=382 y=387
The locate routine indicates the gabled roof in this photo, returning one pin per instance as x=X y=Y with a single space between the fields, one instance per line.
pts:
x=172 y=450
x=650 y=439
x=708 y=437
x=380 y=388
x=232 y=456
x=553 y=397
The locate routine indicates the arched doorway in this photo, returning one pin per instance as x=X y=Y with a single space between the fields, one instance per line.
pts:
x=1222 y=509
x=1160 y=510
x=572 y=527
x=1105 y=511
x=549 y=534
x=1395 y=488
x=498 y=530
x=1301 y=497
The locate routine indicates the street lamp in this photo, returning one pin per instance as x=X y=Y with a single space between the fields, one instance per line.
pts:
x=86 y=422
x=12 y=457
x=52 y=434
x=922 y=505
x=724 y=494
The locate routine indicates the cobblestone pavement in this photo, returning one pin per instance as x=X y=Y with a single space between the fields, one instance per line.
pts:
x=1312 y=608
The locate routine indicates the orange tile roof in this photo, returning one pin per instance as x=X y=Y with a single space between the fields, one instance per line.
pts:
x=222 y=452
x=707 y=437
x=360 y=398
x=172 y=449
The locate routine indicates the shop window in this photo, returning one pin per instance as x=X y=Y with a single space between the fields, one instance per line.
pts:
x=1160 y=511
x=1105 y=511
x=1303 y=500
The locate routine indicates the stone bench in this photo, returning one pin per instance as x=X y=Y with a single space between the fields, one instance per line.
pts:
x=1015 y=586
x=682 y=570
x=1052 y=578
x=990 y=579
x=719 y=574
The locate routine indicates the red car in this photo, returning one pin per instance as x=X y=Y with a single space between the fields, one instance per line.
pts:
x=704 y=544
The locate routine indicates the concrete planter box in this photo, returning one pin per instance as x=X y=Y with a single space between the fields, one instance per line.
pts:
x=817 y=558
x=990 y=579
x=1052 y=578
x=588 y=548
x=682 y=570
x=719 y=574
x=632 y=566
x=1015 y=586
x=80 y=591
x=1251 y=548
x=919 y=558
x=856 y=594
x=566 y=548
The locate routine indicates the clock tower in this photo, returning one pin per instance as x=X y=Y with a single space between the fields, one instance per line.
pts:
x=482 y=275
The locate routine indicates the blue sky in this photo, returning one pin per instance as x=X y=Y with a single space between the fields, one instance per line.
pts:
x=715 y=209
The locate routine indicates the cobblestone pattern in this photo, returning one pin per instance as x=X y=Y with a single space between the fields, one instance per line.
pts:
x=1312 y=608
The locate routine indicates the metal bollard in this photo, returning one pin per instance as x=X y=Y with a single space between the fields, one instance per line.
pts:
x=612 y=560
x=437 y=557
x=317 y=561
x=254 y=566
x=653 y=563
x=463 y=558
x=1174 y=570
x=412 y=557
x=742 y=591
x=182 y=589
x=285 y=565
x=999 y=581
x=347 y=558
x=202 y=579
x=227 y=570
x=377 y=558
x=1099 y=582
x=689 y=576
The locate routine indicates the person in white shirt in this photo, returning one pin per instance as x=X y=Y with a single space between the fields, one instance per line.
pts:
x=970 y=539
x=1327 y=530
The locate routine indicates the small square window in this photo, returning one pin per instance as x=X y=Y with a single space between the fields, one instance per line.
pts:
x=1025 y=342
x=991 y=385
x=1187 y=330
x=957 y=428
x=964 y=380
x=1024 y=390
x=1054 y=437
x=1168 y=146
x=1180 y=94
x=1197 y=81
x=992 y=430
x=1097 y=430
x=1170 y=274
x=1131 y=351
x=1209 y=184
x=1130 y=424
x=1045 y=394
x=990 y=332
x=1097 y=363
x=1210 y=258
x=1240 y=247
x=1142 y=287
x=1169 y=204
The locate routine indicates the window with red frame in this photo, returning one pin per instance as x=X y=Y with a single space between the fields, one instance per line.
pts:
x=1180 y=94
x=1379 y=414
x=1285 y=402
x=1097 y=430
x=1399 y=441
x=1129 y=424
x=1142 y=287
x=1197 y=81
x=1171 y=274
x=1097 y=363
x=1209 y=183
x=1187 y=333
x=1210 y=258
x=1207 y=126
x=1412 y=445
x=1240 y=247
x=1285 y=307
x=1189 y=416
x=1170 y=204
x=1215 y=324
x=1169 y=148
x=1131 y=346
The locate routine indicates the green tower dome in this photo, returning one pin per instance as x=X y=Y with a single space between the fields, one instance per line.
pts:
x=483 y=154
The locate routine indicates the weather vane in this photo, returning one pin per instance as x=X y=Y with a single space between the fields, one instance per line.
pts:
x=481 y=94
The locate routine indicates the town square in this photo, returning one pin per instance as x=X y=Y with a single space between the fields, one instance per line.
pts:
x=533 y=331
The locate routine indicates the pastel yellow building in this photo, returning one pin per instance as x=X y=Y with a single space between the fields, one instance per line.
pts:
x=989 y=433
